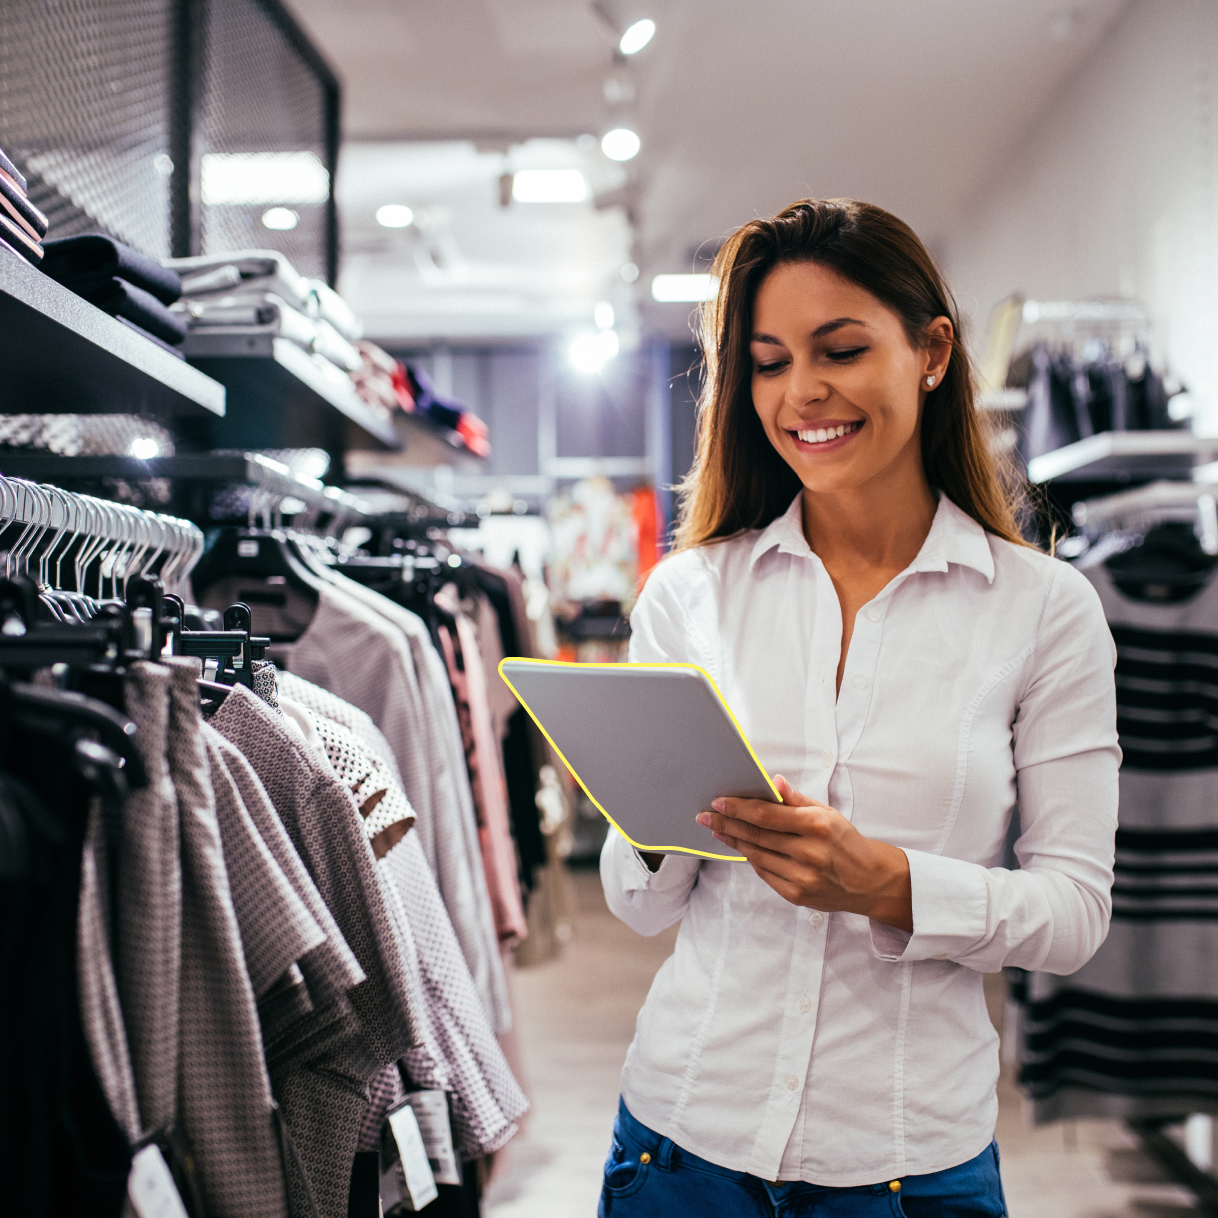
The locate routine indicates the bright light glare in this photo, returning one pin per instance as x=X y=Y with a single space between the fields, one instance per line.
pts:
x=394 y=215
x=590 y=352
x=144 y=448
x=683 y=289
x=630 y=272
x=637 y=36
x=549 y=186
x=620 y=144
x=264 y=177
x=603 y=315
x=280 y=218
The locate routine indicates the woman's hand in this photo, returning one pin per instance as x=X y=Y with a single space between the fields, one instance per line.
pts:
x=810 y=854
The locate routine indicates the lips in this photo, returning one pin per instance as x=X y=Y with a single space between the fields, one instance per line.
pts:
x=829 y=435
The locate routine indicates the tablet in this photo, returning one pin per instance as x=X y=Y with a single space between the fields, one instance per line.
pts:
x=651 y=745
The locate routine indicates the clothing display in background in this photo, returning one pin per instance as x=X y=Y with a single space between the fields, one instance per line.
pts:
x=595 y=553
x=380 y=380
x=447 y=412
x=120 y=281
x=1070 y=398
x=22 y=225
x=1134 y=1033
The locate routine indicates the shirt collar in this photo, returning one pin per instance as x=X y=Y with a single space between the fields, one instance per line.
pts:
x=954 y=537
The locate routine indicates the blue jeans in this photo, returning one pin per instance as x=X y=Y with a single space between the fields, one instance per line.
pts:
x=648 y=1175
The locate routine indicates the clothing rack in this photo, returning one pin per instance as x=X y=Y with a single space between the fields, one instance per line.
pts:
x=1136 y=510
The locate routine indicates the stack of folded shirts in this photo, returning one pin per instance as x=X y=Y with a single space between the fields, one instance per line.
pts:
x=261 y=291
x=381 y=381
x=454 y=415
x=22 y=225
x=121 y=281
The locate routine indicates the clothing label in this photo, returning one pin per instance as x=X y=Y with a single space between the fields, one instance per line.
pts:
x=150 y=1186
x=431 y=1111
x=420 y=1184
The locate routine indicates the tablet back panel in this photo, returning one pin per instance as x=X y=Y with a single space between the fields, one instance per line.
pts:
x=651 y=744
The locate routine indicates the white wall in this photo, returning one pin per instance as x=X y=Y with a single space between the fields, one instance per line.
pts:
x=1114 y=191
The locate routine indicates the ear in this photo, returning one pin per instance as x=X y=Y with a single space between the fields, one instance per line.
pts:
x=939 y=336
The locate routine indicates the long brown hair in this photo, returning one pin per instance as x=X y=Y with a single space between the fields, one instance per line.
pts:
x=738 y=480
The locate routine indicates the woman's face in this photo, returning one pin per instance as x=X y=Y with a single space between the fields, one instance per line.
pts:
x=836 y=384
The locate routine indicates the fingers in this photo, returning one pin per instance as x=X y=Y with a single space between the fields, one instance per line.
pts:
x=782 y=865
x=790 y=796
x=721 y=826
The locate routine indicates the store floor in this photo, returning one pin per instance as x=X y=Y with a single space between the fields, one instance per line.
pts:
x=576 y=1019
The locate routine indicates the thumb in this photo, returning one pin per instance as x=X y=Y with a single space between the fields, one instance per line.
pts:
x=789 y=794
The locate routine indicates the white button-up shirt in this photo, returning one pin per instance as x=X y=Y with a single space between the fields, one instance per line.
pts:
x=801 y=1045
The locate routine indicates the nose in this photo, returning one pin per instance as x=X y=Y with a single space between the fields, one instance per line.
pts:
x=805 y=385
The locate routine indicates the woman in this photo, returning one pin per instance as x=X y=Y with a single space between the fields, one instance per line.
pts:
x=850 y=572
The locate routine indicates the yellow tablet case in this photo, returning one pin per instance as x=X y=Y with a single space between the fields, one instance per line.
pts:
x=650 y=744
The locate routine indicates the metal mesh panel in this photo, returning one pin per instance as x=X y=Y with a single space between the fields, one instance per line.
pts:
x=80 y=435
x=259 y=95
x=83 y=113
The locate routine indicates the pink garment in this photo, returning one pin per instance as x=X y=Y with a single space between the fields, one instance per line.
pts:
x=485 y=761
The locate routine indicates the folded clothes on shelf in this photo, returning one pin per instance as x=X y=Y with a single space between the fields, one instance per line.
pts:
x=87 y=265
x=376 y=380
x=207 y=275
x=448 y=412
x=142 y=309
x=22 y=225
x=334 y=310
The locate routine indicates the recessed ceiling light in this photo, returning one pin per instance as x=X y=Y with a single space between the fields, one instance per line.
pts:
x=549 y=186
x=394 y=215
x=603 y=315
x=144 y=448
x=683 y=289
x=629 y=272
x=590 y=352
x=637 y=36
x=620 y=144
x=263 y=177
x=280 y=218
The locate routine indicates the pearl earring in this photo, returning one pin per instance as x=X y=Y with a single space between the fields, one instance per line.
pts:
x=930 y=382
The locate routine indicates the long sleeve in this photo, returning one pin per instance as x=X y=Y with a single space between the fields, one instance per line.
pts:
x=1053 y=913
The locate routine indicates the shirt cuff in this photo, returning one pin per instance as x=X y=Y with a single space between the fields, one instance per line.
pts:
x=950 y=904
x=675 y=869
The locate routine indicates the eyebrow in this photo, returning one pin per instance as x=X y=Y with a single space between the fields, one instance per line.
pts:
x=828 y=328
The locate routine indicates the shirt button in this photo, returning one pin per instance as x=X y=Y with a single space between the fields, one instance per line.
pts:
x=859 y=682
x=805 y=1004
x=873 y=615
x=792 y=1082
x=816 y=918
x=827 y=757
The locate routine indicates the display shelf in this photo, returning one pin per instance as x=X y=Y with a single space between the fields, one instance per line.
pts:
x=282 y=397
x=219 y=467
x=1125 y=455
x=429 y=443
x=61 y=355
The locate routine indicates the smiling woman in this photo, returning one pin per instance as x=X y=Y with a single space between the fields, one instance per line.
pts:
x=910 y=672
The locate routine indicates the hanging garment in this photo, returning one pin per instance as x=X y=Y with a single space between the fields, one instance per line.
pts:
x=484 y=760
x=325 y=826
x=378 y=656
x=1134 y=1033
x=69 y=1116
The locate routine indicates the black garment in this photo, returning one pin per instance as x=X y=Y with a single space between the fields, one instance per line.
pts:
x=32 y=216
x=13 y=172
x=87 y=263
x=61 y=1151
x=1050 y=418
x=121 y=299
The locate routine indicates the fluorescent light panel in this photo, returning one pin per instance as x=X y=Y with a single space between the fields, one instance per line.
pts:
x=549 y=186
x=683 y=289
x=263 y=177
x=620 y=144
x=637 y=36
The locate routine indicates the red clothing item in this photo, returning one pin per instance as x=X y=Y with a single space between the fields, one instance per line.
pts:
x=646 y=515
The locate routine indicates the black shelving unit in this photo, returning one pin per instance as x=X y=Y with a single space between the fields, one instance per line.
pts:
x=61 y=355
x=280 y=396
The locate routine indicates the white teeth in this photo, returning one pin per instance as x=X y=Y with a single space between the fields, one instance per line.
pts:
x=821 y=435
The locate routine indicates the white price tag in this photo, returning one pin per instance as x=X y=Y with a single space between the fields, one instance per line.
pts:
x=150 y=1186
x=420 y=1183
x=431 y=1111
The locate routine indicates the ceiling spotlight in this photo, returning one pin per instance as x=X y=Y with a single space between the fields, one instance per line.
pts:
x=280 y=218
x=629 y=272
x=637 y=37
x=590 y=352
x=620 y=144
x=394 y=215
x=549 y=186
x=603 y=315
x=144 y=448
x=683 y=289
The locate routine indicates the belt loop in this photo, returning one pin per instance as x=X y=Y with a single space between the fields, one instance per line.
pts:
x=664 y=1154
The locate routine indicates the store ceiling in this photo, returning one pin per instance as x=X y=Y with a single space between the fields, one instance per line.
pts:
x=741 y=108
